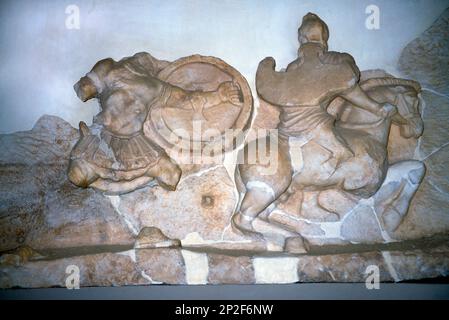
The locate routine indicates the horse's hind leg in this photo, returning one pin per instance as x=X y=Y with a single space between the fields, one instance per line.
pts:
x=256 y=199
x=262 y=187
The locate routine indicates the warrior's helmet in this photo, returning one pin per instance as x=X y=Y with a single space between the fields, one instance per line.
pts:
x=313 y=29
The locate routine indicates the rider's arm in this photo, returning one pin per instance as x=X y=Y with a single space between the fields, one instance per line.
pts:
x=360 y=99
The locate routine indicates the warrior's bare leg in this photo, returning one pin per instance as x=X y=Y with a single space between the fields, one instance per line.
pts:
x=110 y=187
x=253 y=203
x=329 y=139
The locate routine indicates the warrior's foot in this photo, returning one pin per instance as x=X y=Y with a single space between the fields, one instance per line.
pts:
x=166 y=186
x=167 y=174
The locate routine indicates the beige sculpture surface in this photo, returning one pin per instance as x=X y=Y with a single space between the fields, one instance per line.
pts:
x=116 y=154
x=177 y=181
x=333 y=134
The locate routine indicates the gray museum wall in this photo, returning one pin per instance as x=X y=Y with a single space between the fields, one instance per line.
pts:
x=42 y=58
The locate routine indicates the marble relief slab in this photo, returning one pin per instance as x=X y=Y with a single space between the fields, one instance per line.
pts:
x=360 y=177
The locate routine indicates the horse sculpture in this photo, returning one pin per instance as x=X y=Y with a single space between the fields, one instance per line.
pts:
x=331 y=138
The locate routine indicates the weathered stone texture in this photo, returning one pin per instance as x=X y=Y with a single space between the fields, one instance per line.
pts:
x=155 y=236
x=225 y=269
x=39 y=207
x=426 y=58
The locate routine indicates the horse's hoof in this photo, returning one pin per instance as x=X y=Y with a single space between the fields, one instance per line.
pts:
x=243 y=223
x=296 y=245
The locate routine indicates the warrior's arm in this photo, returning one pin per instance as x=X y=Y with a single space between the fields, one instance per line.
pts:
x=199 y=100
x=226 y=92
x=146 y=63
x=360 y=99
x=180 y=98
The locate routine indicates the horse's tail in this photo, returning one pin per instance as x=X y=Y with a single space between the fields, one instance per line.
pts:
x=387 y=81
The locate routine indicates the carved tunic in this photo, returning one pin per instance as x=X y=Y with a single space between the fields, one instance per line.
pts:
x=109 y=150
x=299 y=121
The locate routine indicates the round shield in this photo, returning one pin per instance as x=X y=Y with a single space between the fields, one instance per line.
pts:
x=217 y=125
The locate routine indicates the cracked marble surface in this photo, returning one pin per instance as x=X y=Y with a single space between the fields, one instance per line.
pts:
x=47 y=224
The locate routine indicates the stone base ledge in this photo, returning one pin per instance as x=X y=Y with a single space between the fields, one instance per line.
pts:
x=181 y=266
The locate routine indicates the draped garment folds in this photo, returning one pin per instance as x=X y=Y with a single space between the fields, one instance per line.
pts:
x=304 y=91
